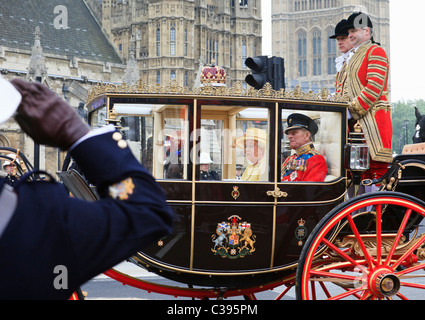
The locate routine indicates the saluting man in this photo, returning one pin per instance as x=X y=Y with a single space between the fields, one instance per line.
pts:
x=10 y=167
x=42 y=228
x=306 y=164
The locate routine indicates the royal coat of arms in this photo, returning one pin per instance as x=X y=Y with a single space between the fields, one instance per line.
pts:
x=233 y=239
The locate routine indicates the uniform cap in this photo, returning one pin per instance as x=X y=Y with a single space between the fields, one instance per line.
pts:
x=298 y=121
x=205 y=158
x=7 y=162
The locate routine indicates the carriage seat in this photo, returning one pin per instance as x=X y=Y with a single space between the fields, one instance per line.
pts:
x=415 y=148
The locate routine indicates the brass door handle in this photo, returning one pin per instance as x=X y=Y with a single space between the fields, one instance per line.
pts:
x=276 y=193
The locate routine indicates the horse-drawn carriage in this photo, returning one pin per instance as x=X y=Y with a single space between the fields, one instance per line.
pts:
x=237 y=238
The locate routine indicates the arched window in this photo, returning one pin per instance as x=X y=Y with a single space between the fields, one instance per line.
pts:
x=317 y=53
x=158 y=42
x=172 y=41
x=172 y=75
x=244 y=54
x=331 y=53
x=4 y=142
x=185 y=42
x=318 y=4
x=158 y=77
x=302 y=53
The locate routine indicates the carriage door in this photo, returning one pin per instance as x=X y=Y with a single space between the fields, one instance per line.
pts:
x=308 y=197
x=233 y=217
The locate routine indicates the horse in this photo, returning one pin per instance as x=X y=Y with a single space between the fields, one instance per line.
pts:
x=419 y=135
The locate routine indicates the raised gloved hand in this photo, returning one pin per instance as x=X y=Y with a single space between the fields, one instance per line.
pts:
x=46 y=117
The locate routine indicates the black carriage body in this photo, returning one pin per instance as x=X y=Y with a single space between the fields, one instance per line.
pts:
x=168 y=133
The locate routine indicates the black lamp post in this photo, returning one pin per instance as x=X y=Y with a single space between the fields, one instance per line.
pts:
x=36 y=145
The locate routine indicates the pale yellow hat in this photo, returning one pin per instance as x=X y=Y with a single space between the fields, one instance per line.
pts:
x=253 y=134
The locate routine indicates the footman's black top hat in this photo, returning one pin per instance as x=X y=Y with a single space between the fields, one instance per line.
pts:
x=298 y=120
x=340 y=30
x=358 y=20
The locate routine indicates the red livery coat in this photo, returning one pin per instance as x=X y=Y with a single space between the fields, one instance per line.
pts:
x=365 y=83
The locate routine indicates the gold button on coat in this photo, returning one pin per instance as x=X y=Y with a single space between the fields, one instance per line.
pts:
x=122 y=144
x=117 y=136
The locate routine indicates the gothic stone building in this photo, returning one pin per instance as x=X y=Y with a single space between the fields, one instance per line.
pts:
x=174 y=39
x=301 y=30
x=59 y=43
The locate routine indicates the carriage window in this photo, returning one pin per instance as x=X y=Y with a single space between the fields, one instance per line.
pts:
x=211 y=150
x=234 y=143
x=156 y=134
x=252 y=144
x=316 y=159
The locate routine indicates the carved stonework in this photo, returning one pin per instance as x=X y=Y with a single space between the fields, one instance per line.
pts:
x=37 y=67
x=208 y=89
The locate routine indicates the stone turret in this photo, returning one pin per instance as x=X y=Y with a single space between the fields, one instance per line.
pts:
x=37 y=70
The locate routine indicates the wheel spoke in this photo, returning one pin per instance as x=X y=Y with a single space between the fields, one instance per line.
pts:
x=401 y=273
x=398 y=237
x=356 y=295
x=325 y=290
x=342 y=254
x=348 y=293
x=378 y=234
x=366 y=295
x=360 y=241
x=330 y=276
x=341 y=265
x=402 y=297
x=283 y=293
x=313 y=290
x=407 y=253
x=413 y=285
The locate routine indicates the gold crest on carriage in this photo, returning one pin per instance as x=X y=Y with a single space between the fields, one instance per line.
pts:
x=233 y=239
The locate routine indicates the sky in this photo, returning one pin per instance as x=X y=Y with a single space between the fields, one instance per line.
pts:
x=407 y=51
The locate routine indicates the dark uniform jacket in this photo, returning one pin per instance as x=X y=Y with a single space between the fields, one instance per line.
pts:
x=50 y=232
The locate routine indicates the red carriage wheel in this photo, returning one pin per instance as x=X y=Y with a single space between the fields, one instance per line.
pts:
x=366 y=248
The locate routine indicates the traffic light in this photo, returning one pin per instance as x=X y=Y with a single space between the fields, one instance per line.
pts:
x=265 y=69
x=258 y=65
x=278 y=73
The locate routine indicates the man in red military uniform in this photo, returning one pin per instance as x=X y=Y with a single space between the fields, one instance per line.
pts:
x=366 y=87
x=306 y=164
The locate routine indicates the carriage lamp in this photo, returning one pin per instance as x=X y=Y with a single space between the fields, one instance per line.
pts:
x=356 y=153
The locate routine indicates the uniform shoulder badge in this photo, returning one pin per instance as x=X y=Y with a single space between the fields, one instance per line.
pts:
x=122 y=189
